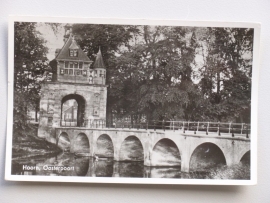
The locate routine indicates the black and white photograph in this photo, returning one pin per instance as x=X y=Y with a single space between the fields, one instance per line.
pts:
x=132 y=101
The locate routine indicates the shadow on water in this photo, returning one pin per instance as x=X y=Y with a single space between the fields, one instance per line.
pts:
x=66 y=164
x=104 y=168
x=81 y=165
x=133 y=169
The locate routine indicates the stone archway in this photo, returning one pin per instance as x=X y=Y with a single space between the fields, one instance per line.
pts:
x=63 y=141
x=245 y=159
x=81 y=145
x=104 y=146
x=165 y=153
x=131 y=149
x=79 y=114
x=205 y=156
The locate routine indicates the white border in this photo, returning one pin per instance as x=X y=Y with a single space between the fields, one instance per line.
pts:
x=254 y=99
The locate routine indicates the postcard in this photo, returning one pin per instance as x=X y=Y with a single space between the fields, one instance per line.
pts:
x=132 y=101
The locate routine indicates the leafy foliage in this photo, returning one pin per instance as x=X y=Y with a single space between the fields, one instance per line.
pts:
x=226 y=75
x=30 y=61
x=155 y=70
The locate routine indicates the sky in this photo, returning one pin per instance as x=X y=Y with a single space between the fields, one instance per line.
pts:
x=53 y=40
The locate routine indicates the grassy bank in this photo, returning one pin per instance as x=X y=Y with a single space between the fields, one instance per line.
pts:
x=31 y=145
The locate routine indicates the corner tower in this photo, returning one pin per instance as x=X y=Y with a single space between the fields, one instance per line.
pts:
x=74 y=80
x=98 y=73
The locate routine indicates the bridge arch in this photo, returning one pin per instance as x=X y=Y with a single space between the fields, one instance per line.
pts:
x=131 y=149
x=245 y=158
x=81 y=144
x=63 y=141
x=165 y=153
x=206 y=155
x=78 y=114
x=104 y=146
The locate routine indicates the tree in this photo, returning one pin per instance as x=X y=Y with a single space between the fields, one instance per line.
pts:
x=154 y=70
x=155 y=73
x=226 y=75
x=30 y=61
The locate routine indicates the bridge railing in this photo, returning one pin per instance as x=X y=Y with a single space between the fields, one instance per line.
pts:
x=184 y=126
x=69 y=123
x=91 y=123
x=193 y=126
x=94 y=123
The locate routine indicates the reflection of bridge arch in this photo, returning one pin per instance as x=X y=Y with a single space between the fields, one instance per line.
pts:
x=131 y=149
x=165 y=153
x=81 y=165
x=104 y=146
x=80 y=112
x=206 y=155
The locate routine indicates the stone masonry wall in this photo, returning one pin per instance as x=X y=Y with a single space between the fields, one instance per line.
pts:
x=51 y=101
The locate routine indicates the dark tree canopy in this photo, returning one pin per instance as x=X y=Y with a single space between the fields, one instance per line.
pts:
x=30 y=62
x=153 y=70
x=226 y=75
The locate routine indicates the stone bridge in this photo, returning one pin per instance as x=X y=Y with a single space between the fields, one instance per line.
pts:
x=181 y=146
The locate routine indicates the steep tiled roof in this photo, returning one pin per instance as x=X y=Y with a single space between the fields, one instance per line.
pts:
x=74 y=45
x=99 y=63
x=64 y=53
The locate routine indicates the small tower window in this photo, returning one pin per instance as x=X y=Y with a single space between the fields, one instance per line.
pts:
x=75 y=65
x=66 y=64
x=73 y=52
x=95 y=73
x=71 y=65
x=81 y=65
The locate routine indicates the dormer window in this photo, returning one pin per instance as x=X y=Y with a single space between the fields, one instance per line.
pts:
x=73 y=52
x=70 y=52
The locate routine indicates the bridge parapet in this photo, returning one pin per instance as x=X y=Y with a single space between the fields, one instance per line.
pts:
x=195 y=126
x=158 y=131
x=220 y=128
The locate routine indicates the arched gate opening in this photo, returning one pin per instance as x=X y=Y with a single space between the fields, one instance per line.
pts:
x=72 y=110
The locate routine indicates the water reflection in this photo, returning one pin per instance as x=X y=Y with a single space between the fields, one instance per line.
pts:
x=67 y=164
x=81 y=165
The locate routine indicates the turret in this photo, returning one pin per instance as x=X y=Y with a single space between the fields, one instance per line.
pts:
x=68 y=31
x=72 y=63
x=98 y=72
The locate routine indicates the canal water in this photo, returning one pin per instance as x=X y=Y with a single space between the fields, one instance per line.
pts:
x=66 y=164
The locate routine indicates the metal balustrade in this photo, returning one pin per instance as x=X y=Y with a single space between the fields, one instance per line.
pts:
x=190 y=126
x=193 y=127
